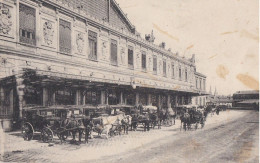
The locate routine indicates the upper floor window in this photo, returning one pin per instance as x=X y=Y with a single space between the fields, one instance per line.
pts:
x=113 y=52
x=200 y=84
x=92 y=43
x=65 y=36
x=27 y=24
x=204 y=84
x=179 y=73
x=130 y=57
x=186 y=75
x=197 y=83
x=155 y=64
x=164 y=68
x=143 y=61
x=173 y=73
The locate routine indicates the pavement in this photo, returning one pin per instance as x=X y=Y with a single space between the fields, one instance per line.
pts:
x=169 y=144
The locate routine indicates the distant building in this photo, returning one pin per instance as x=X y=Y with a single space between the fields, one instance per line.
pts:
x=246 y=99
x=215 y=99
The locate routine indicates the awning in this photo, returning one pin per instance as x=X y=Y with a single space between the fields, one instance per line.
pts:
x=252 y=101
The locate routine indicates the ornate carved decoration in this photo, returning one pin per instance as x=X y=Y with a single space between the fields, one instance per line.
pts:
x=80 y=42
x=104 y=49
x=138 y=59
x=122 y=55
x=150 y=63
x=48 y=31
x=5 y=19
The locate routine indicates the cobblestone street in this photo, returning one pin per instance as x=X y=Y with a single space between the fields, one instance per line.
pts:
x=18 y=150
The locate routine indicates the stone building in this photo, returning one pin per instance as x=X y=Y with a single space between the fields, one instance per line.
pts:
x=70 y=52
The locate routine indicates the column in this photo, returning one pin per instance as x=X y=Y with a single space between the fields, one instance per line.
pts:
x=12 y=101
x=149 y=99
x=84 y=98
x=169 y=105
x=2 y=99
x=103 y=98
x=77 y=98
x=121 y=101
x=136 y=98
x=44 y=96
x=53 y=98
x=20 y=92
x=176 y=101
x=159 y=102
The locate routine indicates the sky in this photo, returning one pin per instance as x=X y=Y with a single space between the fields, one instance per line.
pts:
x=223 y=34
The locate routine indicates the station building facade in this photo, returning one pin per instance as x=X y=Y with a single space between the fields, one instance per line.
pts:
x=60 y=52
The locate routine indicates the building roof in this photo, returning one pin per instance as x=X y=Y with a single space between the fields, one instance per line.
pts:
x=200 y=74
x=219 y=99
x=122 y=14
x=251 y=101
x=247 y=92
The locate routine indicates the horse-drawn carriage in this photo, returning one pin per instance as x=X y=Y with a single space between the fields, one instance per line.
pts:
x=191 y=115
x=51 y=121
x=111 y=120
x=147 y=116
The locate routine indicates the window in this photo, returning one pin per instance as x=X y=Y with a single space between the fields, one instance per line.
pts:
x=27 y=24
x=155 y=65
x=130 y=57
x=144 y=61
x=65 y=97
x=173 y=73
x=204 y=84
x=93 y=97
x=164 y=68
x=92 y=43
x=113 y=97
x=200 y=84
x=65 y=37
x=186 y=75
x=196 y=82
x=180 y=73
x=113 y=52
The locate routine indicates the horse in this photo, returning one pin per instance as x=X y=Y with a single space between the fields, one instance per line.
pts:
x=145 y=119
x=73 y=126
x=100 y=127
x=185 y=120
x=88 y=124
x=134 y=122
x=126 y=122
x=154 y=120
x=172 y=115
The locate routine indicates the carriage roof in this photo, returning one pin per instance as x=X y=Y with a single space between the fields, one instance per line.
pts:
x=187 y=106
x=50 y=108
x=121 y=106
x=150 y=107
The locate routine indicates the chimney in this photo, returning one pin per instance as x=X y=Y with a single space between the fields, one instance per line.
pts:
x=162 y=45
x=147 y=37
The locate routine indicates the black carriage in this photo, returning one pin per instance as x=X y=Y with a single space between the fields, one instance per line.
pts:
x=51 y=121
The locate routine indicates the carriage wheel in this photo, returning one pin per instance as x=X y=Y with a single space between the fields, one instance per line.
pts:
x=27 y=131
x=46 y=135
x=62 y=134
